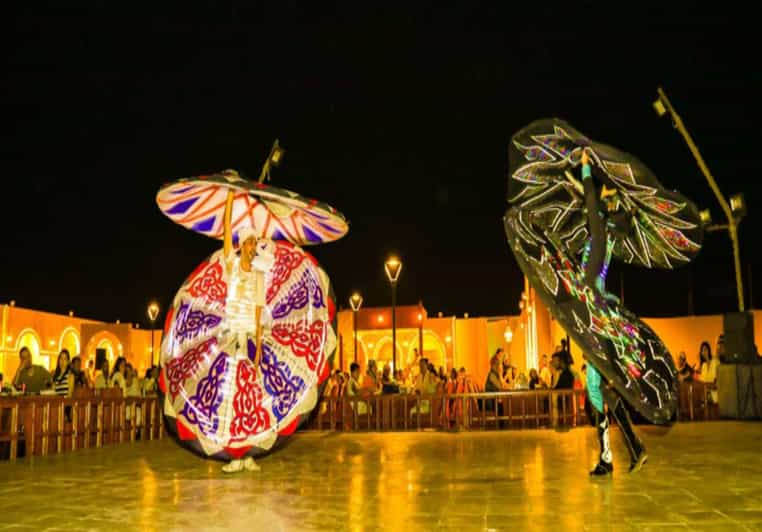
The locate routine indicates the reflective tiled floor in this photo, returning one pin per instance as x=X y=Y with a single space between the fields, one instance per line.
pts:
x=701 y=476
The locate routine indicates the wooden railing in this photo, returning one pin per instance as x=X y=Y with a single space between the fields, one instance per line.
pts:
x=514 y=409
x=469 y=411
x=53 y=425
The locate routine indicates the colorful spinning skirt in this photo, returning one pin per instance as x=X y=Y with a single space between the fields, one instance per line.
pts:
x=215 y=401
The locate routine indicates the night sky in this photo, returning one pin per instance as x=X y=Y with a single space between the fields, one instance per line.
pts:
x=400 y=120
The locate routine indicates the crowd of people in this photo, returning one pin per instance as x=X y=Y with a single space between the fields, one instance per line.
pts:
x=69 y=375
x=555 y=372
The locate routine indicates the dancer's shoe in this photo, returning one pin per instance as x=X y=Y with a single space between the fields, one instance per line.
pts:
x=235 y=466
x=251 y=465
x=639 y=463
x=602 y=469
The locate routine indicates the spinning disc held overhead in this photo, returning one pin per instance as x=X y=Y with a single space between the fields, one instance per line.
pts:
x=198 y=203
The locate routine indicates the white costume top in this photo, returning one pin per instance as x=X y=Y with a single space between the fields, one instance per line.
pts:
x=246 y=290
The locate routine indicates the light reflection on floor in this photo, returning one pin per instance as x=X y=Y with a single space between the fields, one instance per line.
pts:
x=700 y=476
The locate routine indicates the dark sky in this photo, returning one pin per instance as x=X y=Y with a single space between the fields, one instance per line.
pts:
x=398 y=119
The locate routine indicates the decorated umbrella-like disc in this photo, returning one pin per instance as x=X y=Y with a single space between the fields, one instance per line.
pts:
x=665 y=229
x=216 y=402
x=198 y=203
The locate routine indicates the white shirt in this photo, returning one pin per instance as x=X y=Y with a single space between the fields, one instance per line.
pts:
x=246 y=289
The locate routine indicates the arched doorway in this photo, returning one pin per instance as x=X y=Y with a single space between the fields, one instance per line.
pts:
x=31 y=340
x=108 y=343
x=69 y=341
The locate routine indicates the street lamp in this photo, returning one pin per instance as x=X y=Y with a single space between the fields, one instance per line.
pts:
x=734 y=211
x=393 y=268
x=153 y=313
x=355 y=301
x=273 y=159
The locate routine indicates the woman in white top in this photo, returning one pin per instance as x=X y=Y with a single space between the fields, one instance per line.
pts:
x=118 y=379
x=708 y=370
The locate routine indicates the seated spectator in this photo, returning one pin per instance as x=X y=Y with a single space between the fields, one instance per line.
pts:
x=387 y=384
x=100 y=376
x=354 y=389
x=149 y=382
x=521 y=383
x=62 y=374
x=118 y=377
x=31 y=378
x=535 y=382
x=372 y=383
x=78 y=377
x=684 y=370
x=132 y=382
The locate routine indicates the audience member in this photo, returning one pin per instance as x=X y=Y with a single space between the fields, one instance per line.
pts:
x=78 y=377
x=118 y=377
x=371 y=382
x=354 y=389
x=708 y=368
x=62 y=375
x=100 y=376
x=684 y=370
x=545 y=375
x=565 y=378
x=387 y=384
x=31 y=378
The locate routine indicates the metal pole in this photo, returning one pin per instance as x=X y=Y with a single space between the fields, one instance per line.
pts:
x=732 y=222
x=354 y=320
x=394 y=325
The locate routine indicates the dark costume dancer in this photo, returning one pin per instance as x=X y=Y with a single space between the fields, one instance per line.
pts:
x=595 y=262
x=563 y=234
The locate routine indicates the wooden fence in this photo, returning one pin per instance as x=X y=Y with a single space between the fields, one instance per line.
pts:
x=53 y=425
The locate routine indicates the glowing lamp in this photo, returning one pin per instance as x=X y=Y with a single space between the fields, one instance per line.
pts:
x=508 y=334
x=71 y=313
x=420 y=317
x=380 y=318
x=393 y=268
x=738 y=205
x=276 y=154
x=153 y=311
x=706 y=217
x=355 y=301
x=448 y=339
x=659 y=107
x=52 y=343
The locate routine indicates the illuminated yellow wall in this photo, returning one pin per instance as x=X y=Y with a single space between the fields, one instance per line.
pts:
x=46 y=334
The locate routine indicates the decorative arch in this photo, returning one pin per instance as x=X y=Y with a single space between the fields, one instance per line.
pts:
x=106 y=340
x=29 y=338
x=70 y=341
x=380 y=344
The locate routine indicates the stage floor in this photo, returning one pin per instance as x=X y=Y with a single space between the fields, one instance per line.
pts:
x=701 y=476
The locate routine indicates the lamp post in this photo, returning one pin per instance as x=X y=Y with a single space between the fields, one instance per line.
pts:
x=393 y=268
x=355 y=301
x=734 y=211
x=153 y=313
x=273 y=159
